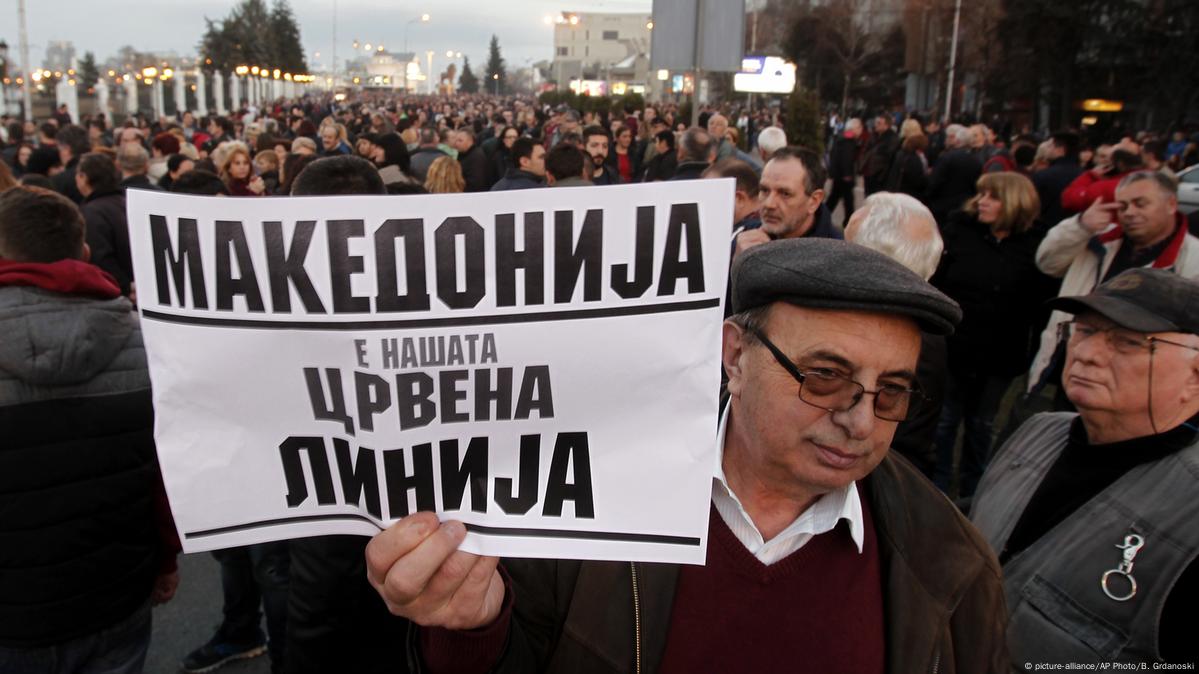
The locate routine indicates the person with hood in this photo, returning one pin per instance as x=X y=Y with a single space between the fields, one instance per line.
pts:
x=90 y=545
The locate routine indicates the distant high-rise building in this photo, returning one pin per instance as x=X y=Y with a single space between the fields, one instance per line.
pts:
x=60 y=56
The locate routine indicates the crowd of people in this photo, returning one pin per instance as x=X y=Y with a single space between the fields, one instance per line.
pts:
x=1042 y=291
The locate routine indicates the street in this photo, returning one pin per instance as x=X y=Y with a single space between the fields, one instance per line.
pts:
x=190 y=619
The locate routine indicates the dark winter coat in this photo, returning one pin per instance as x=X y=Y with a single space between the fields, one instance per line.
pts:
x=952 y=182
x=1000 y=290
x=108 y=235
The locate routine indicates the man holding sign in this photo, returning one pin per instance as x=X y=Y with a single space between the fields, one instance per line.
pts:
x=821 y=355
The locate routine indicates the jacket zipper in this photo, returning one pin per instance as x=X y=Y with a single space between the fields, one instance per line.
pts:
x=937 y=662
x=636 y=619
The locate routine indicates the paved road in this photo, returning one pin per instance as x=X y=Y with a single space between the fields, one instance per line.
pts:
x=190 y=619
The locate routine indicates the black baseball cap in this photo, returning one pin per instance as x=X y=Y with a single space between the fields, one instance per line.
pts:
x=1143 y=299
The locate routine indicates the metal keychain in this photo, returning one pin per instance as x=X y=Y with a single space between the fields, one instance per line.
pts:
x=1131 y=546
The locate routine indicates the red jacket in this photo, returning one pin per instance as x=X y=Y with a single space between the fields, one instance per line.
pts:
x=1086 y=189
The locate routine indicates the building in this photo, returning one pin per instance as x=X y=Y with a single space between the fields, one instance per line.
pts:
x=387 y=70
x=601 y=52
x=60 y=56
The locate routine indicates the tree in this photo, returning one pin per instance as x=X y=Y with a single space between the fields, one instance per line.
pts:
x=288 y=52
x=804 y=124
x=89 y=73
x=252 y=35
x=495 y=67
x=833 y=43
x=467 y=82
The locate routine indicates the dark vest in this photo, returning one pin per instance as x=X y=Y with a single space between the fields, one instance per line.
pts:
x=1058 y=609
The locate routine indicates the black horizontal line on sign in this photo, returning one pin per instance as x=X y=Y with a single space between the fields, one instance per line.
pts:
x=453 y=321
x=473 y=528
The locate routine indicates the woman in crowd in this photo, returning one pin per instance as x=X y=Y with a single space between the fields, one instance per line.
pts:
x=501 y=159
x=445 y=177
x=391 y=157
x=625 y=159
x=909 y=169
x=236 y=170
x=989 y=268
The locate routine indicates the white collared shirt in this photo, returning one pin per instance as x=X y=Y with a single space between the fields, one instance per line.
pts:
x=822 y=516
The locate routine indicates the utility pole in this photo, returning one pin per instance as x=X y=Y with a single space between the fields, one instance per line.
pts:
x=334 y=44
x=699 y=51
x=28 y=88
x=953 y=57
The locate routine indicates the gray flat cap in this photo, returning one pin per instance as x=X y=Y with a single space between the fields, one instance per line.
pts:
x=830 y=274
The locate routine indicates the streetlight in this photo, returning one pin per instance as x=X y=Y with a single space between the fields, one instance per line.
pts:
x=429 y=74
x=496 y=78
x=423 y=18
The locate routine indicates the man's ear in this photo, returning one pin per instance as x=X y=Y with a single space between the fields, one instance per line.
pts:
x=732 y=350
x=816 y=198
x=87 y=253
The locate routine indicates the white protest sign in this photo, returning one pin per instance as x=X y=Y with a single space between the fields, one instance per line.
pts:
x=542 y=365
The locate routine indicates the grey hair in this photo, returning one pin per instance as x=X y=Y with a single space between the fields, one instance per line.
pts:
x=960 y=133
x=771 y=139
x=133 y=158
x=854 y=123
x=903 y=229
x=751 y=321
x=1167 y=184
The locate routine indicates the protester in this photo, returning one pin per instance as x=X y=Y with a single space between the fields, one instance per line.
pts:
x=745 y=196
x=1093 y=514
x=236 y=169
x=877 y=159
x=445 y=177
x=1087 y=249
x=904 y=230
x=909 y=170
x=566 y=166
x=954 y=175
x=665 y=161
x=1051 y=181
x=790 y=196
x=472 y=165
x=624 y=160
x=82 y=490
x=790 y=471
x=843 y=167
x=107 y=231
x=989 y=269
x=134 y=163
x=425 y=154
x=71 y=143
x=596 y=143
x=527 y=169
x=696 y=152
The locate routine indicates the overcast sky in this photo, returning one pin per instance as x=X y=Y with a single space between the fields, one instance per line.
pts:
x=103 y=26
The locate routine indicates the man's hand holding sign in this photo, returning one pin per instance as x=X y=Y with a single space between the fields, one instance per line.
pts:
x=419 y=571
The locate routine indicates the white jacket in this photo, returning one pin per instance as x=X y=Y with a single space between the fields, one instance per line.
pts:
x=1082 y=258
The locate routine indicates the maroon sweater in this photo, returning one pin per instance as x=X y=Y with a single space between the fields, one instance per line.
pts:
x=820 y=609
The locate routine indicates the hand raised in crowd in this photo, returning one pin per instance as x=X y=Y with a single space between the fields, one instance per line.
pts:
x=1099 y=216
x=257 y=186
x=415 y=565
x=748 y=239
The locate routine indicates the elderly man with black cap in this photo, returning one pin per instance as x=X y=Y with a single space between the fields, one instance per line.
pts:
x=825 y=553
x=1095 y=515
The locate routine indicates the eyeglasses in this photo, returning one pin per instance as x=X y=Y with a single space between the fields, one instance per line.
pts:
x=1121 y=340
x=830 y=391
